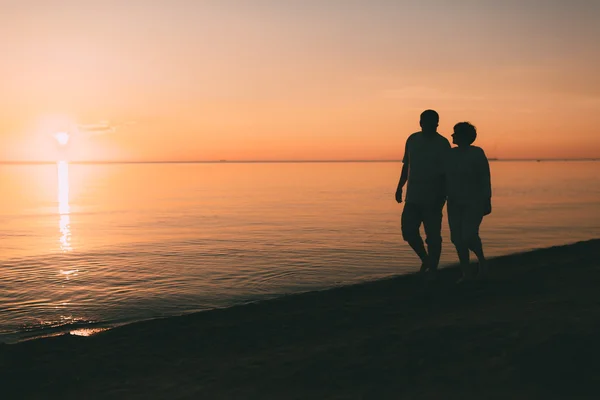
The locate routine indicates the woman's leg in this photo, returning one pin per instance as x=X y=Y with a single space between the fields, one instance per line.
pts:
x=456 y=223
x=464 y=258
x=477 y=248
x=474 y=242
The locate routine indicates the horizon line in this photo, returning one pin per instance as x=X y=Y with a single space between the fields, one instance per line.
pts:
x=491 y=159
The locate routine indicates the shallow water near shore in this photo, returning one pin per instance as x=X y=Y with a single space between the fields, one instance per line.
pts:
x=94 y=246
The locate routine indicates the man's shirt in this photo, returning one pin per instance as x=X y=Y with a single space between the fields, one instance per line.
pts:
x=425 y=154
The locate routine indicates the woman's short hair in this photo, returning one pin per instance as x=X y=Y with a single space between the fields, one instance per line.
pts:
x=467 y=129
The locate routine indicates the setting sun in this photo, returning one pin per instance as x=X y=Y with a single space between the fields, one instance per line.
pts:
x=62 y=138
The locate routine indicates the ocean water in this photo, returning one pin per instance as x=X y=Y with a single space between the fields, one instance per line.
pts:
x=87 y=247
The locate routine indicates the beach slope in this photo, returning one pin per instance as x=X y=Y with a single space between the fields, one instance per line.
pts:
x=529 y=332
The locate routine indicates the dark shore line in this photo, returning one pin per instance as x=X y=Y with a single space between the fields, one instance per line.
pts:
x=528 y=332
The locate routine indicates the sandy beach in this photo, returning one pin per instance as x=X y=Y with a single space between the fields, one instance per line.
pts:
x=528 y=332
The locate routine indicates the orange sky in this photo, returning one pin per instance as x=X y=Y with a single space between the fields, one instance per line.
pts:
x=268 y=79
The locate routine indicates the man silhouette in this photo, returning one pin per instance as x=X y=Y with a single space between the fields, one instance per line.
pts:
x=426 y=193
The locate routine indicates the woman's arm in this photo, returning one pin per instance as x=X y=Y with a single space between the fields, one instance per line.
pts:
x=486 y=182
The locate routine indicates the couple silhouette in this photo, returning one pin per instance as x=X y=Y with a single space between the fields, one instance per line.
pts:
x=437 y=173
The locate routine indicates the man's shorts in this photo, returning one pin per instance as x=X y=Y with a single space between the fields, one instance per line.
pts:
x=430 y=216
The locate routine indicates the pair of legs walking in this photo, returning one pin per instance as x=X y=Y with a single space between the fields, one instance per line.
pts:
x=464 y=221
x=430 y=216
x=464 y=224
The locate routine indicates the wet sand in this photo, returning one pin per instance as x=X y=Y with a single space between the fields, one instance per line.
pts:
x=529 y=332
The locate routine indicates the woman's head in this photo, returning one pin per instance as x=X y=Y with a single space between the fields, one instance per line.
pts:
x=464 y=134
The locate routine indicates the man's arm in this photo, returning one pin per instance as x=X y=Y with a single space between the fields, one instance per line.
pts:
x=403 y=180
x=403 y=174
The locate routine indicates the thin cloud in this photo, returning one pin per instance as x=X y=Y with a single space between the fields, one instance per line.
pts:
x=102 y=127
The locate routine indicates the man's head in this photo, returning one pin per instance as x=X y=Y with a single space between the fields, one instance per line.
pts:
x=429 y=121
x=464 y=134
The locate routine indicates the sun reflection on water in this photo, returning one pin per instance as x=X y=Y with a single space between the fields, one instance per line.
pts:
x=69 y=273
x=64 y=208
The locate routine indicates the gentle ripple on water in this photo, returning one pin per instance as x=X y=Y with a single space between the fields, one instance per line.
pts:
x=147 y=241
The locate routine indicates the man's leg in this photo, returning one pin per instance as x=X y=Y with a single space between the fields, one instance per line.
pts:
x=411 y=223
x=432 y=221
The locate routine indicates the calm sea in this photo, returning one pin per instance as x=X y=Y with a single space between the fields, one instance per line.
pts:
x=85 y=247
